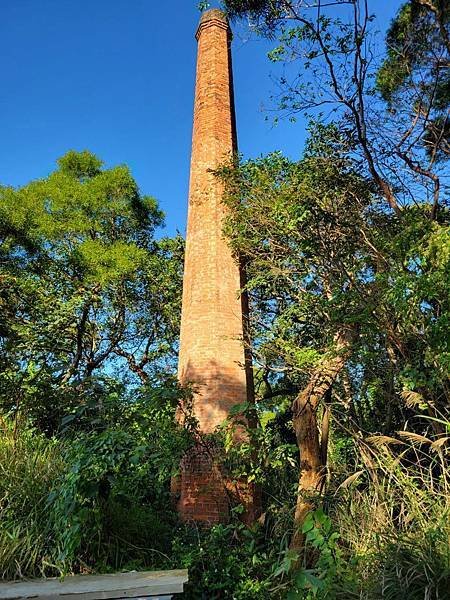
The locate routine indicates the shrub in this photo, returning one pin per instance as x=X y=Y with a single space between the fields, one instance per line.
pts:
x=226 y=561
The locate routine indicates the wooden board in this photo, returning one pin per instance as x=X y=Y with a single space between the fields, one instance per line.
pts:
x=98 y=587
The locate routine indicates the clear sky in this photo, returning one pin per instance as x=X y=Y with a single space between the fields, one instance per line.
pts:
x=117 y=77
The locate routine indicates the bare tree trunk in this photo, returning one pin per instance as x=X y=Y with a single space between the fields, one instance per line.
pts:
x=312 y=455
x=325 y=430
x=312 y=470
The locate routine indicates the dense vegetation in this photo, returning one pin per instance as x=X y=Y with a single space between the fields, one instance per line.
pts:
x=347 y=256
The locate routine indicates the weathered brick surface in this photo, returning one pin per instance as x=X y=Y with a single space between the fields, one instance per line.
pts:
x=211 y=349
x=206 y=493
x=203 y=493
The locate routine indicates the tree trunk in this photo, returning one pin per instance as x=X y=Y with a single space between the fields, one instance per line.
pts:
x=312 y=455
x=311 y=469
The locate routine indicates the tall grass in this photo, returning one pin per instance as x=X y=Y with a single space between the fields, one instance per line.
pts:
x=29 y=465
x=394 y=523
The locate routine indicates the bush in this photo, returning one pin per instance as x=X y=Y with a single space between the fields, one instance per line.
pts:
x=135 y=536
x=226 y=561
x=102 y=509
x=99 y=501
x=95 y=500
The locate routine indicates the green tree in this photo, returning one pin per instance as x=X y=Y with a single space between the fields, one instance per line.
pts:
x=379 y=307
x=87 y=293
x=349 y=305
x=330 y=49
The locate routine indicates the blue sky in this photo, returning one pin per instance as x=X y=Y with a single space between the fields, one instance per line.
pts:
x=117 y=77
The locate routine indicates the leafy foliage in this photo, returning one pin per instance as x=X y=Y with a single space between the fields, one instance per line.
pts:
x=85 y=289
x=418 y=54
x=84 y=499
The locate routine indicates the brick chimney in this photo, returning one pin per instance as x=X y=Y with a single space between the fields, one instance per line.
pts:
x=212 y=353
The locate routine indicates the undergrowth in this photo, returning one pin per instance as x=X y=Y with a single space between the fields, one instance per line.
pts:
x=29 y=465
x=383 y=533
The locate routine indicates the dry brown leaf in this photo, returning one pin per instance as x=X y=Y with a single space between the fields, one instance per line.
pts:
x=411 y=398
x=347 y=482
x=382 y=440
x=414 y=438
x=437 y=444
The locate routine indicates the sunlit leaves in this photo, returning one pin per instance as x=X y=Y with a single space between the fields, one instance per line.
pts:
x=83 y=280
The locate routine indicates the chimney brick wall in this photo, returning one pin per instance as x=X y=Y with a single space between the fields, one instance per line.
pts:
x=211 y=348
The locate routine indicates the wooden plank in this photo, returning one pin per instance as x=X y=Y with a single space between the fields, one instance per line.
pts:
x=101 y=587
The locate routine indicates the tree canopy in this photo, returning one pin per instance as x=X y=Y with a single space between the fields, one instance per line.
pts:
x=87 y=291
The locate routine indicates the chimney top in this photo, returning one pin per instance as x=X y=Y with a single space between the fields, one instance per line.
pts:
x=213 y=13
x=214 y=16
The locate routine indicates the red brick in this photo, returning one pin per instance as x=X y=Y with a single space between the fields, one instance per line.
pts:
x=213 y=314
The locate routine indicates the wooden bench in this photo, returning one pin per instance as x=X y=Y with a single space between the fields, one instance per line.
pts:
x=149 y=584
